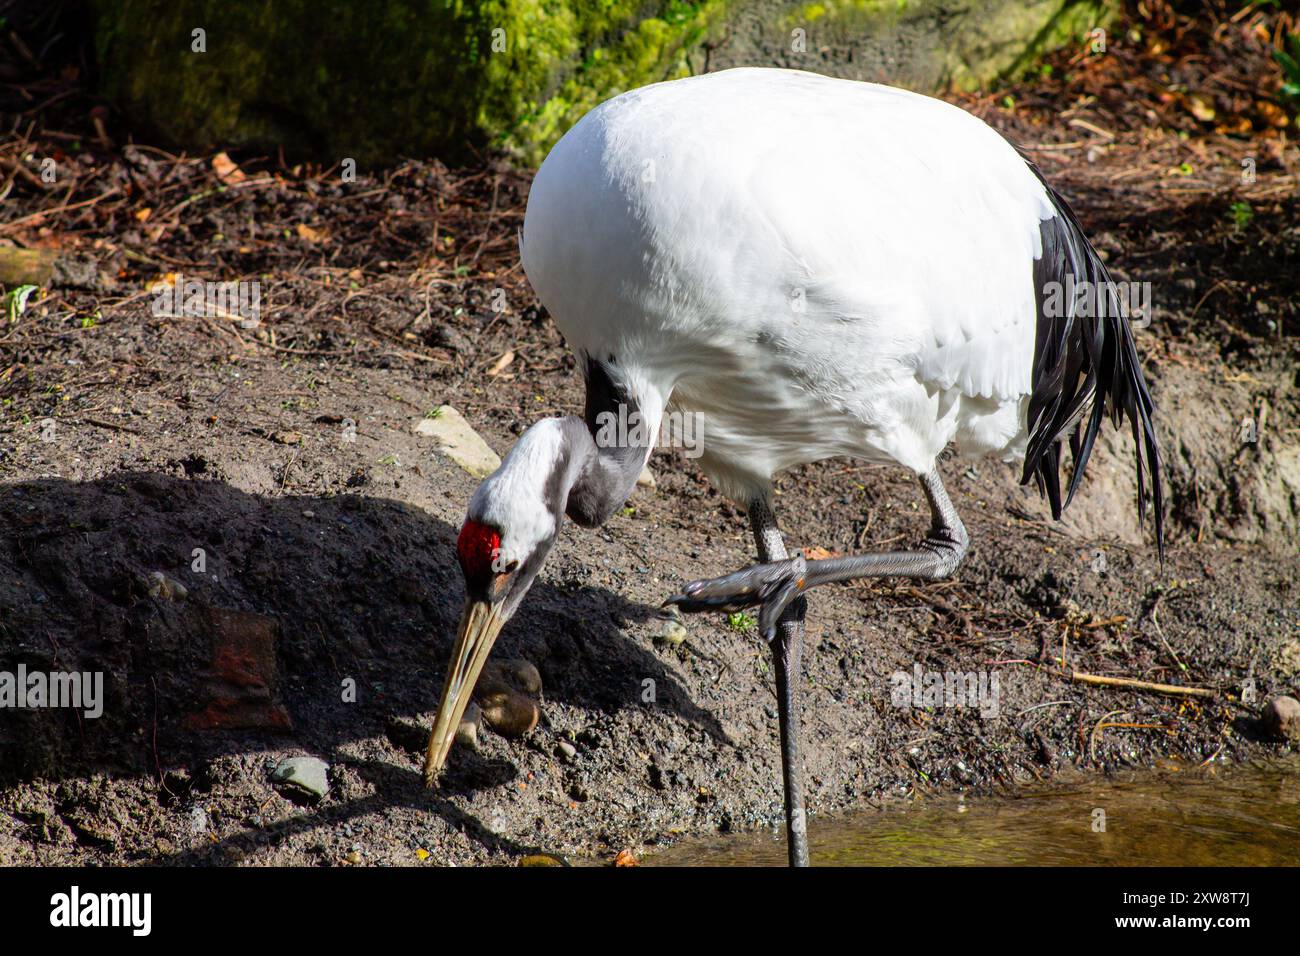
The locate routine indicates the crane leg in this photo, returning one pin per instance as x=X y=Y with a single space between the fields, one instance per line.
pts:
x=773 y=585
x=787 y=653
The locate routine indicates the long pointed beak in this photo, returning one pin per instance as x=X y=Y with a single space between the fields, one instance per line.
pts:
x=480 y=623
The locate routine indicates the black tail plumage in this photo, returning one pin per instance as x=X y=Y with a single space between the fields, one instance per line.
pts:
x=1083 y=365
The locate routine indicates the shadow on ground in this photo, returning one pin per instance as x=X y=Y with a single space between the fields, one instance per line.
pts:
x=289 y=601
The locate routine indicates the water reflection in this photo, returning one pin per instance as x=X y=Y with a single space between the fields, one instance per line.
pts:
x=1225 y=816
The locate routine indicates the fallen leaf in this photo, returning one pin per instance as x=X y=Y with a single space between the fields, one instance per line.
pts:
x=311 y=235
x=422 y=853
x=500 y=364
x=1271 y=113
x=625 y=858
x=142 y=215
x=1202 y=107
x=226 y=170
x=1238 y=126
x=819 y=554
x=164 y=281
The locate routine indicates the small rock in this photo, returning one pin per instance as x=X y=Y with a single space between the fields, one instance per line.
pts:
x=1281 y=718
x=509 y=713
x=673 y=633
x=567 y=750
x=353 y=857
x=306 y=775
x=242 y=687
x=646 y=479
x=467 y=730
x=164 y=588
x=198 y=820
x=454 y=437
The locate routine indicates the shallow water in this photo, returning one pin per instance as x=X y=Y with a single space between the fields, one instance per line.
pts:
x=1225 y=816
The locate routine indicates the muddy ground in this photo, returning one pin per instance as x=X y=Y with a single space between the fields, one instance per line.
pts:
x=129 y=440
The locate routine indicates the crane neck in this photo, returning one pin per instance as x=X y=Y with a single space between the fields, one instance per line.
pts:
x=613 y=440
x=603 y=475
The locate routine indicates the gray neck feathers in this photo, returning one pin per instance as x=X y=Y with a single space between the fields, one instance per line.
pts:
x=603 y=478
x=609 y=467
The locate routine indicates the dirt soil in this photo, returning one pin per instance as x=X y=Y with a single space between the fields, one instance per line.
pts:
x=318 y=618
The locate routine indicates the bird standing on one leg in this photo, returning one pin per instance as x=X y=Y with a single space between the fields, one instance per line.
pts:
x=815 y=267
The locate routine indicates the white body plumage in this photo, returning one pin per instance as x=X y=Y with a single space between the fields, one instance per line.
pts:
x=818 y=267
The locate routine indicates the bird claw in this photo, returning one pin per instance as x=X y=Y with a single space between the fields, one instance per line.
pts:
x=771 y=586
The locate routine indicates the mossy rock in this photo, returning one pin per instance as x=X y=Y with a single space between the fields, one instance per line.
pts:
x=331 y=79
x=924 y=45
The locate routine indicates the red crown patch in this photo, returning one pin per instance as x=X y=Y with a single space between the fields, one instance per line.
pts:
x=477 y=547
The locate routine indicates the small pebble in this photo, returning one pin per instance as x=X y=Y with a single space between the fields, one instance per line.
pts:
x=307 y=775
x=164 y=588
x=509 y=713
x=673 y=633
x=567 y=750
x=1281 y=718
x=467 y=730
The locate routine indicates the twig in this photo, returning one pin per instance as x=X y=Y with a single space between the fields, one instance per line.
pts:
x=1050 y=703
x=1098 y=680
x=1054 y=147
x=66 y=207
x=1092 y=737
x=1091 y=128
x=109 y=425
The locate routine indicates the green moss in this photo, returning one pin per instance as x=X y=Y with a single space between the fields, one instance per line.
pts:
x=945 y=43
x=579 y=54
x=1071 y=25
x=330 y=79
x=378 y=79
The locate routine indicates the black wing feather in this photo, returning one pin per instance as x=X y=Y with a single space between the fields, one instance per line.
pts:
x=1084 y=366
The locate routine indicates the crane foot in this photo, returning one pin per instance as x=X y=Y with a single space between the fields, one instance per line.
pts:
x=770 y=586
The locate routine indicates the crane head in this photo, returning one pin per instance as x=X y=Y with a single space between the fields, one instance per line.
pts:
x=512 y=522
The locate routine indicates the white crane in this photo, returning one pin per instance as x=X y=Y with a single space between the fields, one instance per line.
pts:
x=815 y=267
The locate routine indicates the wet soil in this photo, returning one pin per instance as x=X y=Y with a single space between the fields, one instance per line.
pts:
x=273 y=472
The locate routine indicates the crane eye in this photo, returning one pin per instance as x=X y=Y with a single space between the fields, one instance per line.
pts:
x=510 y=568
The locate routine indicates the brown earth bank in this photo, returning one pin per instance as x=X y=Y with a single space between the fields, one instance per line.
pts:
x=273 y=472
